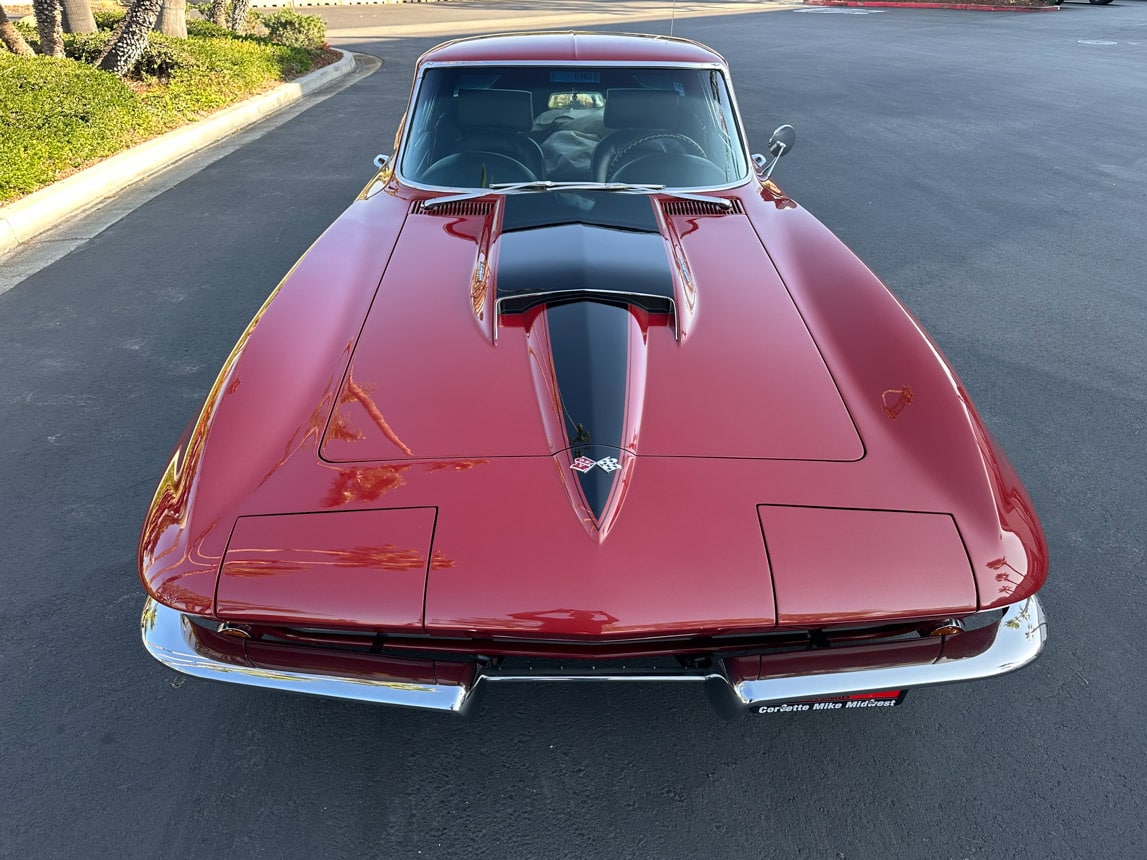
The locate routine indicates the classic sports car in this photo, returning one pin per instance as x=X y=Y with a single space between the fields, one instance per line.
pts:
x=573 y=391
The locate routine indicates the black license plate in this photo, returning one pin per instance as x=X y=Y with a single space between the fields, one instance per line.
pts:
x=857 y=702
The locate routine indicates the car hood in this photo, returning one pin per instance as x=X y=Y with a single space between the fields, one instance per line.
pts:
x=616 y=420
x=540 y=325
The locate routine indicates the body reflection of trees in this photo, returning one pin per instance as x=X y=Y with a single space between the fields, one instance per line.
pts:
x=1005 y=572
x=261 y=562
x=173 y=592
x=364 y=484
x=587 y=620
x=270 y=561
x=344 y=431
x=370 y=483
x=454 y=465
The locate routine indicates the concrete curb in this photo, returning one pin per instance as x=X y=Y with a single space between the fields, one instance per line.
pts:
x=271 y=4
x=24 y=219
x=923 y=4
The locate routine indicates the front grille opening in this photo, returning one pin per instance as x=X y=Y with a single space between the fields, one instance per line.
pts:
x=696 y=651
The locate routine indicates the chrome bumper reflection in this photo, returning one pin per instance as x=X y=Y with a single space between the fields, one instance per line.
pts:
x=172 y=639
x=1016 y=640
x=1009 y=644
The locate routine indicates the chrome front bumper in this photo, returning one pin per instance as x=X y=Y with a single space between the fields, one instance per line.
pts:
x=1008 y=644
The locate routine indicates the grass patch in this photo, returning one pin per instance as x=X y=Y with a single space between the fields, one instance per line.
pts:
x=60 y=115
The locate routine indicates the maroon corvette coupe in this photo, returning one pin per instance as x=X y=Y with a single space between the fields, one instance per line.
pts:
x=573 y=391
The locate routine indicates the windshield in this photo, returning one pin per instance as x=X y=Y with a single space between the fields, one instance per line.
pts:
x=479 y=126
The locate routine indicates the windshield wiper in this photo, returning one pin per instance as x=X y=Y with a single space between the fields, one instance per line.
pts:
x=547 y=185
x=510 y=188
x=534 y=185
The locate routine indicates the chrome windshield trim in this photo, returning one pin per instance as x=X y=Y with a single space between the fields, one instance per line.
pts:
x=721 y=67
x=454 y=193
x=612 y=64
x=1019 y=638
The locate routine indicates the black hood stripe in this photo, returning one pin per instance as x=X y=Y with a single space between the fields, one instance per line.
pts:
x=590 y=262
x=590 y=352
x=590 y=345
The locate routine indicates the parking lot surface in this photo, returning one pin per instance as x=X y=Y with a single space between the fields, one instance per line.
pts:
x=989 y=167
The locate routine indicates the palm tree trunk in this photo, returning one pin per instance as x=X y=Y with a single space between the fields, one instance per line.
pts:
x=11 y=37
x=239 y=11
x=219 y=12
x=172 y=19
x=48 y=24
x=78 y=16
x=130 y=37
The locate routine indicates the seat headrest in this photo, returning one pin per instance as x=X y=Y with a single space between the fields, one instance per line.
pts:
x=512 y=110
x=637 y=108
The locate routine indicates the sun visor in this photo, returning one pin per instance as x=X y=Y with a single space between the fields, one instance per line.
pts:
x=363 y=568
x=837 y=566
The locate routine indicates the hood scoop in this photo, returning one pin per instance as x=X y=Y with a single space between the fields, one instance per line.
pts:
x=573 y=262
x=601 y=247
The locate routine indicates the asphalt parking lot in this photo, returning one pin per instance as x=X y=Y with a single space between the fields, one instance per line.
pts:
x=990 y=167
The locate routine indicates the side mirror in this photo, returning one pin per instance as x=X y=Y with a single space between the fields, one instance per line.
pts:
x=782 y=140
x=380 y=160
x=780 y=143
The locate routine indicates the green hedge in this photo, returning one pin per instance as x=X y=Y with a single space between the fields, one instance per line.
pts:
x=60 y=115
x=288 y=27
x=108 y=19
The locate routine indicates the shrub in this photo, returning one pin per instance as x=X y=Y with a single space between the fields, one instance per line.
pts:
x=204 y=9
x=160 y=58
x=207 y=30
x=27 y=28
x=108 y=19
x=223 y=70
x=90 y=114
x=287 y=27
x=60 y=115
x=86 y=47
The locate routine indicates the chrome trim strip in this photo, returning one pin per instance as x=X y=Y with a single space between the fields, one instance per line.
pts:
x=1020 y=636
x=169 y=638
x=460 y=192
x=601 y=64
x=647 y=679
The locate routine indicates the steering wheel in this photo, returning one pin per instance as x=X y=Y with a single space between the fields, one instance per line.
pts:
x=671 y=168
x=476 y=169
x=687 y=144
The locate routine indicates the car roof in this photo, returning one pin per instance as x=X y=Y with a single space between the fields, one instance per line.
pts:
x=572 y=46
